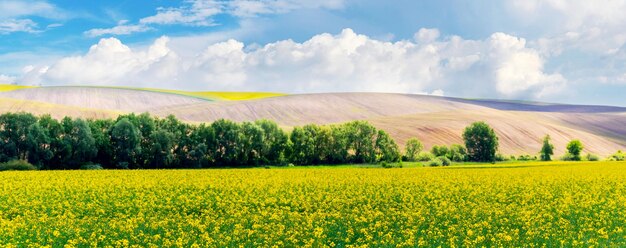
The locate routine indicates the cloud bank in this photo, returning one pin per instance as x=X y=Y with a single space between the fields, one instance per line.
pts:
x=501 y=64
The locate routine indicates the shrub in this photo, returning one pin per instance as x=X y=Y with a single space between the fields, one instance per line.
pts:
x=424 y=156
x=391 y=165
x=501 y=158
x=592 y=157
x=439 y=151
x=570 y=157
x=526 y=157
x=413 y=148
x=435 y=162
x=17 y=165
x=457 y=153
x=91 y=167
x=444 y=160
x=618 y=156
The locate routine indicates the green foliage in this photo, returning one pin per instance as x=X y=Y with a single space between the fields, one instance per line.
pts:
x=569 y=157
x=16 y=165
x=413 y=148
x=481 y=142
x=457 y=153
x=445 y=161
x=361 y=138
x=81 y=143
x=160 y=152
x=502 y=158
x=592 y=157
x=13 y=135
x=424 y=156
x=126 y=141
x=386 y=148
x=91 y=167
x=574 y=148
x=618 y=156
x=141 y=141
x=439 y=151
x=547 y=150
x=38 y=143
x=526 y=157
x=435 y=162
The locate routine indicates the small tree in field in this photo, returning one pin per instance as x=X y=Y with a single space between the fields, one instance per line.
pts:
x=481 y=142
x=413 y=149
x=547 y=150
x=574 y=148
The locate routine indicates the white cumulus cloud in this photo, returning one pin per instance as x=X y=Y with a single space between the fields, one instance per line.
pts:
x=325 y=63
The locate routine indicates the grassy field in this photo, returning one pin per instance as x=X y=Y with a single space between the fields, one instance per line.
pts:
x=554 y=204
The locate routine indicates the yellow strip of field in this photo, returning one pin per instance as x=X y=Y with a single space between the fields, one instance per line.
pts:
x=219 y=95
x=10 y=87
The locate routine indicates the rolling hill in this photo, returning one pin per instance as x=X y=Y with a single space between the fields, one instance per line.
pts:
x=434 y=120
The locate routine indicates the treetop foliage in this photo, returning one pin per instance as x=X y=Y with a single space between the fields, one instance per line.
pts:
x=142 y=141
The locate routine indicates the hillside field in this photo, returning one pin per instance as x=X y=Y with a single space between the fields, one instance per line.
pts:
x=579 y=204
x=434 y=120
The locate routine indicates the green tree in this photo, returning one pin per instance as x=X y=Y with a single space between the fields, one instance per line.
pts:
x=574 y=148
x=440 y=151
x=126 y=142
x=547 y=150
x=302 y=150
x=361 y=137
x=38 y=143
x=413 y=148
x=57 y=144
x=252 y=142
x=160 y=153
x=227 y=145
x=339 y=148
x=81 y=142
x=386 y=148
x=481 y=142
x=457 y=153
x=274 y=142
x=100 y=130
x=13 y=134
x=198 y=156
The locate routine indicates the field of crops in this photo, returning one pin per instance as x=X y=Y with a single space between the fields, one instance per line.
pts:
x=555 y=204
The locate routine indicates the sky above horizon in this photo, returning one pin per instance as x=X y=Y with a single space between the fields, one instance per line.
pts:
x=551 y=51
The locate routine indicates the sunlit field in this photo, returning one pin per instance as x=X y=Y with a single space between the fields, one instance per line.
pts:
x=573 y=204
x=219 y=95
x=10 y=87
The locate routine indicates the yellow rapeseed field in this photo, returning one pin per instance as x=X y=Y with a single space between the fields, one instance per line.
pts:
x=555 y=204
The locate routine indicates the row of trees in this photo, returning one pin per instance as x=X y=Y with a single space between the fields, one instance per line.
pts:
x=143 y=141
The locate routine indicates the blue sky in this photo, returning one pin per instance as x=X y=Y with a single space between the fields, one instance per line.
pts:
x=551 y=50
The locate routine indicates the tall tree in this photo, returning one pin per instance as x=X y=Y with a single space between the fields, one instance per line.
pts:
x=100 y=130
x=82 y=143
x=275 y=142
x=13 y=134
x=160 y=151
x=413 y=148
x=38 y=143
x=386 y=148
x=227 y=145
x=547 y=150
x=361 y=137
x=126 y=141
x=481 y=142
